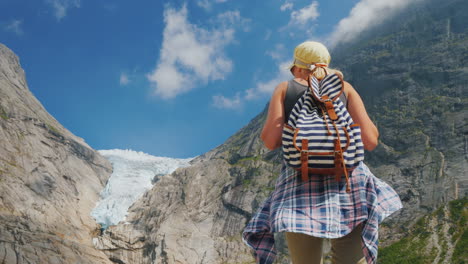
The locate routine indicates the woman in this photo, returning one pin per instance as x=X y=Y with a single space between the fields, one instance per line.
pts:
x=320 y=208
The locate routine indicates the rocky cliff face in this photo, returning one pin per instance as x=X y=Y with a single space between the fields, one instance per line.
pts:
x=49 y=180
x=413 y=78
x=412 y=75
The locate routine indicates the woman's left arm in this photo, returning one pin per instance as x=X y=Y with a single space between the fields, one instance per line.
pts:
x=369 y=132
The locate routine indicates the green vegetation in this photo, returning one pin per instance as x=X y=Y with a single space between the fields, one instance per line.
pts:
x=20 y=136
x=52 y=128
x=254 y=158
x=460 y=254
x=414 y=248
x=439 y=213
x=246 y=182
x=382 y=54
x=458 y=210
x=420 y=228
x=459 y=214
x=236 y=159
x=268 y=189
x=11 y=163
x=409 y=250
x=253 y=172
x=3 y=113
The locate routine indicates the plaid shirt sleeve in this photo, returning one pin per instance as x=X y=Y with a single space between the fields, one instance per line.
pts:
x=259 y=237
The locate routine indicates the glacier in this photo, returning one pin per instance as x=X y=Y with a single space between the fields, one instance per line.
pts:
x=133 y=174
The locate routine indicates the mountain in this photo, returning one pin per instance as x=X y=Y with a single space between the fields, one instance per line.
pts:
x=413 y=78
x=49 y=180
x=196 y=214
x=412 y=75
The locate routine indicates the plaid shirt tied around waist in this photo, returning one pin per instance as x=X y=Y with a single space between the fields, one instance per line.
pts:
x=320 y=207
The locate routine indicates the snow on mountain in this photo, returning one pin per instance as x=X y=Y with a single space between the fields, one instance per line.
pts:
x=133 y=174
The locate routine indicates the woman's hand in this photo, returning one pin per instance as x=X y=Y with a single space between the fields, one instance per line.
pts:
x=369 y=132
x=273 y=127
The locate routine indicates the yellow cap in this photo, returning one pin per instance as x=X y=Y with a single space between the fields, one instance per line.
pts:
x=309 y=53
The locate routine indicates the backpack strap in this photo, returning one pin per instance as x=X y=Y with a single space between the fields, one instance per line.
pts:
x=305 y=160
x=330 y=109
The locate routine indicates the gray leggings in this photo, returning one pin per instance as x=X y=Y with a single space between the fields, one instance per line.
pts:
x=306 y=249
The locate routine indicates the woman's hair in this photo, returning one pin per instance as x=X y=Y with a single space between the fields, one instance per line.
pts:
x=320 y=72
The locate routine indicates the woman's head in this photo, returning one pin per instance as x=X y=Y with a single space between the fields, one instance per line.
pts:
x=309 y=54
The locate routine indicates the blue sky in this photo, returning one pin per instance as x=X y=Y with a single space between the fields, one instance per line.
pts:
x=169 y=78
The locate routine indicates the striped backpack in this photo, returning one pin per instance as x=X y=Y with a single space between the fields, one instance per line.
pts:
x=320 y=136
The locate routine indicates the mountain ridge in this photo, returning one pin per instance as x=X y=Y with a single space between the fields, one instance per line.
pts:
x=50 y=180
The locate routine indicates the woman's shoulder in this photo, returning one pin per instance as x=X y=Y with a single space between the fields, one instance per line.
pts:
x=281 y=88
x=347 y=85
x=348 y=89
x=282 y=85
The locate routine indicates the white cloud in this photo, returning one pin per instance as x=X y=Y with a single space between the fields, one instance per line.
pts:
x=207 y=4
x=15 y=26
x=364 y=15
x=232 y=19
x=305 y=15
x=261 y=89
x=191 y=54
x=61 y=7
x=301 y=20
x=222 y=102
x=267 y=87
x=124 y=79
x=169 y=81
x=278 y=52
x=286 y=6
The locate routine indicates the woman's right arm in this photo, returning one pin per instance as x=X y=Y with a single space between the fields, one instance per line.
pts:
x=273 y=127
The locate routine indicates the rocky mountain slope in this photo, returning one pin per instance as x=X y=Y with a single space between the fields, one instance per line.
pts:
x=413 y=78
x=412 y=75
x=49 y=180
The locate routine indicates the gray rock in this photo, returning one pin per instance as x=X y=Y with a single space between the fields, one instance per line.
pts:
x=49 y=180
